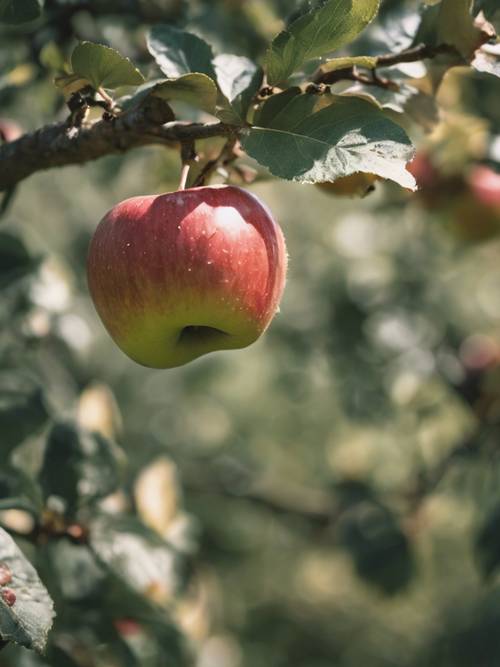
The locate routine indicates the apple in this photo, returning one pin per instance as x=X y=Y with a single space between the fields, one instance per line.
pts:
x=9 y=130
x=424 y=171
x=178 y=275
x=484 y=184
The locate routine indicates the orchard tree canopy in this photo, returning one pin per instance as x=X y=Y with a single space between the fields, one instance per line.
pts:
x=311 y=107
x=329 y=496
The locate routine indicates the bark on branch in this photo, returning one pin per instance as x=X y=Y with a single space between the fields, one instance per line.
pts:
x=59 y=145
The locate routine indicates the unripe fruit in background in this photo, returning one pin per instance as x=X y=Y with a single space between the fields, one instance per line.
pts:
x=178 y=275
x=355 y=185
x=9 y=130
x=468 y=204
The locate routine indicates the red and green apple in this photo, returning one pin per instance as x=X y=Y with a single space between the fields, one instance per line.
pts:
x=178 y=275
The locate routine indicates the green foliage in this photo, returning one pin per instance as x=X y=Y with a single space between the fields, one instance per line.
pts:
x=196 y=89
x=340 y=478
x=456 y=26
x=15 y=261
x=348 y=136
x=239 y=80
x=104 y=67
x=19 y=11
x=90 y=463
x=19 y=491
x=22 y=408
x=323 y=29
x=177 y=52
x=25 y=617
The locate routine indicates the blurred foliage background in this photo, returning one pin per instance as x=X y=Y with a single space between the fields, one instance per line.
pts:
x=332 y=491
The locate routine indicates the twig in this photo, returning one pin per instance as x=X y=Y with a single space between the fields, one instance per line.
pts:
x=226 y=156
x=57 y=145
x=184 y=175
x=414 y=54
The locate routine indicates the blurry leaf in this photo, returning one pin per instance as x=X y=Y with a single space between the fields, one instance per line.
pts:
x=26 y=610
x=177 y=52
x=22 y=410
x=327 y=27
x=195 y=89
x=385 y=98
x=137 y=555
x=239 y=79
x=19 y=491
x=74 y=569
x=156 y=495
x=19 y=11
x=487 y=59
x=487 y=546
x=489 y=7
x=98 y=410
x=127 y=604
x=456 y=27
x=348 y=136
x=144 y=576
x=378 y=546
x=15 y=260
x=104 y=67
x=52 y=57
x=70 y=83
x=78 y=466
x=7 y=200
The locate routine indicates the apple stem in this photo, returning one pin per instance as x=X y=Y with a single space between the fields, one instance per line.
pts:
x=184 y=176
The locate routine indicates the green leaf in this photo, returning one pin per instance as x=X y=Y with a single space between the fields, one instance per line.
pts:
x=19 y=491
x=349 y=136
x=15 y=260
x=239 y=79
x=196 y=89
x=489 y=7
x=137 y=555
x=378 y=546
x=487 y=543
x=286 y=109
x=104 y=67
x=90 y=462
x=178 y=52
x=27 y=617
x=19 y=11
x=456 y=27
x=144 y=577
x=22 y=410
x=332 y=24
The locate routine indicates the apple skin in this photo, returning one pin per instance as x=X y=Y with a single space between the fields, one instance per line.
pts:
x=178 y=275
x=484 y=184
x=9 y=130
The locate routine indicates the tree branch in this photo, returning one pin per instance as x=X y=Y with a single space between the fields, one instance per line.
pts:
x=59 y=145
x=414 y=54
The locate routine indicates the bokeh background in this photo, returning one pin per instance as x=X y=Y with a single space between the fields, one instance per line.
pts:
x=337 y=484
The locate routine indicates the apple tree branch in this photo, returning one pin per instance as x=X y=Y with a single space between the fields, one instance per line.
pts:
x=61 y=144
